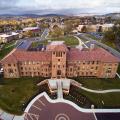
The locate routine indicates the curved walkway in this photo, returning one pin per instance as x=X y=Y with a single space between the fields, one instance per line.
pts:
x=93 y=91
x=100 y=91
x=72 y=104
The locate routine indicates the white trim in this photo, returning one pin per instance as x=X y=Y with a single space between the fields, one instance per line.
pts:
x=118 y=75
x=71 y=104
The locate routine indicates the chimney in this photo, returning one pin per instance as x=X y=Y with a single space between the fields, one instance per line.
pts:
x=92 y=46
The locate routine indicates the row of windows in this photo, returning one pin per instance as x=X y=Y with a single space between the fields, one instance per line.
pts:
x=84 y=74
x=59 y=66
x=34 y=74
x=85 y=63
x=34 y=68
x=11 y=65
x=32 y=63
x=83 y=68
x=58 y=54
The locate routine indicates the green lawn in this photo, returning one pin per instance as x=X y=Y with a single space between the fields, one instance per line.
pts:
x=97 y=83
x=69 y=41
x=111 y=100
x=108 y=43
x=16 y=92
x=6 y=49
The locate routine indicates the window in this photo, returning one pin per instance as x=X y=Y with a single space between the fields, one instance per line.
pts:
x=93 y=62
x=92 y=67
x=9 y=65
x=97 y=62
x=59 y=60
x=21 y=68
x=70 y=69
x=88 y=62
x=91 y=73
x=82 y=73
x=96 y=67
x=83 y=63
x=10 y=70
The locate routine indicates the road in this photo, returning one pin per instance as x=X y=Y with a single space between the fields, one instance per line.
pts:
x=25 y=43
x=81 y=43
x=92 y=41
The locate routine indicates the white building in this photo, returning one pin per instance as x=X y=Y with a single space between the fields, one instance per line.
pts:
x=4 y=38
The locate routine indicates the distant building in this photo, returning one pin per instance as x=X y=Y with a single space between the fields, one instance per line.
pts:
x=95 y=28
x=59 y=61
x=35 y=31
x=4 y=38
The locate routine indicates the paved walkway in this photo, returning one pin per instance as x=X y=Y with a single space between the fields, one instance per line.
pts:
x=100 y=91
x=81 y=43
x=72 y=104
x=60 y=91
x=6 y=116
x=118 y=75
x=93 y=91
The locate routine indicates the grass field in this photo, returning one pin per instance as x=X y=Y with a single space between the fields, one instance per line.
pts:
x=111 y=100
x=108 y=43
x=6 y=49
x=97 y=83
x=16 y=92
x=69 y=40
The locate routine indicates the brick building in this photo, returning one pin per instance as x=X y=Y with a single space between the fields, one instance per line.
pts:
x=59 y=61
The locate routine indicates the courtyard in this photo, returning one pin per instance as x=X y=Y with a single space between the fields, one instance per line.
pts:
x=21 y=91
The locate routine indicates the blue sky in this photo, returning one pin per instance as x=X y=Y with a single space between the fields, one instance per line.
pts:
x=90 y=6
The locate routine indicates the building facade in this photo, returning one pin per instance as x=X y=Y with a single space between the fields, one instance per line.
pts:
x=59 y=61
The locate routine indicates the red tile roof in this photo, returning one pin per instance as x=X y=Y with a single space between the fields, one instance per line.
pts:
x=97 y=54
x=20 y=55
x=62 y=47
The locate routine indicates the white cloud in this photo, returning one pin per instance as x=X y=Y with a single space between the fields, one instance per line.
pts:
x=84 y=5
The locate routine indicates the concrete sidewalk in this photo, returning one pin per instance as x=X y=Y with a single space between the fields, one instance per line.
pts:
x=6 y=116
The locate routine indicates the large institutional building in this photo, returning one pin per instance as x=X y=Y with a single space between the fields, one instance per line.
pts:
x=59 y=61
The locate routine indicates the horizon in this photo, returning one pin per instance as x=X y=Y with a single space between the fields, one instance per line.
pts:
x=59 y=7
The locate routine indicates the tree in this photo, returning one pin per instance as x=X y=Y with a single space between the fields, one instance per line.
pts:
x=84 y=29
x=57 y=32
x=109 y=35
x=100 y=29
x=68 y=27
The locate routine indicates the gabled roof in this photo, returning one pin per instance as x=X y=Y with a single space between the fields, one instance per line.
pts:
x=97 y=54
x=20 y=55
